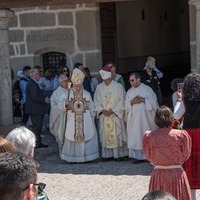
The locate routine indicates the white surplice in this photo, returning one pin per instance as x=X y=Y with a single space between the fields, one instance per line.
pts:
x=111 y=129
x=57 y=117
x=140 y=118
x=80 y=151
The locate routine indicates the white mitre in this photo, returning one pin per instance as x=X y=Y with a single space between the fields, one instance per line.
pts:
x=77 y=76
x=105 y=72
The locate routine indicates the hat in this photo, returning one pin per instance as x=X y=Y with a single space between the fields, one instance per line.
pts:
x=105 y=72
x=63 y=77
x=150 y=64
x=77 y=76
x=20 y=73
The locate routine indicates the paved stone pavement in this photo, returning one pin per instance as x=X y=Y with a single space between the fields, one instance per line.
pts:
x=99 y=180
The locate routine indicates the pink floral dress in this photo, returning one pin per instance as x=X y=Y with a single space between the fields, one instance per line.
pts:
x=167 y=149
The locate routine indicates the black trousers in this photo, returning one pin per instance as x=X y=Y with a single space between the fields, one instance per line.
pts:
x=37 y=121
x=25 y=116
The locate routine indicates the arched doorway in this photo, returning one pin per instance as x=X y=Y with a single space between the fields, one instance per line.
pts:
x=138 y=29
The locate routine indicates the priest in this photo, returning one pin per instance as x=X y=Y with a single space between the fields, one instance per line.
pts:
x=109 y=103
x=141 y=104
x=57 y=117
x=80 y=144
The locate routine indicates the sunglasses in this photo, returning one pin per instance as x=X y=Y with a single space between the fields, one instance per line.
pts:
x=41 y=186
x=65 y=71
x=131 y=80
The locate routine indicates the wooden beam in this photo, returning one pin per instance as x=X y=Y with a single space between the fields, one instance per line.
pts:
x=33 y=3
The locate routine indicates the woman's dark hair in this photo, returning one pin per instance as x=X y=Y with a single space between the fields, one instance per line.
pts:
x=158 y=195
x=60 y=71
x=191 y=87
x=87 y=72
x=49 y=74
x=111 y=62
x=164 y=117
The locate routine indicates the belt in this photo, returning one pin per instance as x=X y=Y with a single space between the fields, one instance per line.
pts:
x=168 y=167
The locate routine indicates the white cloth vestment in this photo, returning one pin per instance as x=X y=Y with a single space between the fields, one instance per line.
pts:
x=140 y=118
x=87 y=150
x=57 y=117
x=111 y=128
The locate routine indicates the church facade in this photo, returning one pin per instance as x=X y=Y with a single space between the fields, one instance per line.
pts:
x=35 y=34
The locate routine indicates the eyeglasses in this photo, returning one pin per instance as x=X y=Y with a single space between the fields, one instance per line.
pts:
x=41 y=186
x=131 y=80
x=64 y=81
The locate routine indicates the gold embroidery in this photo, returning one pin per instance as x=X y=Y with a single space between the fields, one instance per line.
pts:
x=79 y=105
x=109 y=123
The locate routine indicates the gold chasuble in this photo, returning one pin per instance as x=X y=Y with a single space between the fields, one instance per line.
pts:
x=109 y=123
x=78 y=105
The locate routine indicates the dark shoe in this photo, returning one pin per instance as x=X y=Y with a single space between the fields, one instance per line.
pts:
x=42 y=146
x=107 y=159
x=137 y=161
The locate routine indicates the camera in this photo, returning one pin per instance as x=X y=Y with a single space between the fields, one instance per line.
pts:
x=179 y=86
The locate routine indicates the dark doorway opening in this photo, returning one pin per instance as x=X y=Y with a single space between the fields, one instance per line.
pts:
x=52 y=59
x=108 y=32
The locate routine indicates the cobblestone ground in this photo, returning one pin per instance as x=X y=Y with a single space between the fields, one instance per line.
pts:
x=99 y=180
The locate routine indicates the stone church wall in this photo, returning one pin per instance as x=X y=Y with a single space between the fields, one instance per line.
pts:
x=72 y=29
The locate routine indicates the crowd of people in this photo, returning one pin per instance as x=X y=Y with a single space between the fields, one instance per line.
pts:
x=91 y=120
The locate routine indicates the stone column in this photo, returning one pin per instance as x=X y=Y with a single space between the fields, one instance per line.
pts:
x=6 y=113
x=194 y=10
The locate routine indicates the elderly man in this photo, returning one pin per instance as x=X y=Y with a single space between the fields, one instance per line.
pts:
x=86 y=81
x=81 y=144
x=109 y=100
x=23 y=140
x=141 y=104
x=18 y=177
x=36 y=105
x=58 y=117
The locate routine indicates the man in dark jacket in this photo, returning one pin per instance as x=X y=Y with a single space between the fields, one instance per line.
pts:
x=36 y=105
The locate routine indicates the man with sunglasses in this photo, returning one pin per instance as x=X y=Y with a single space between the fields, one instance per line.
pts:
x=18 y=177
x=141 y=104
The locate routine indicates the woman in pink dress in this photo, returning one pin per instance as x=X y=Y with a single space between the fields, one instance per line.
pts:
x=167 y=149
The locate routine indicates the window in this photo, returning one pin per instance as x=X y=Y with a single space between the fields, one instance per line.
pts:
x=52 y=59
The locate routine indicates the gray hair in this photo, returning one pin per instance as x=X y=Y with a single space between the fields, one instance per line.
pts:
x=33 y=72
x=62 y=77
x=22 y=139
